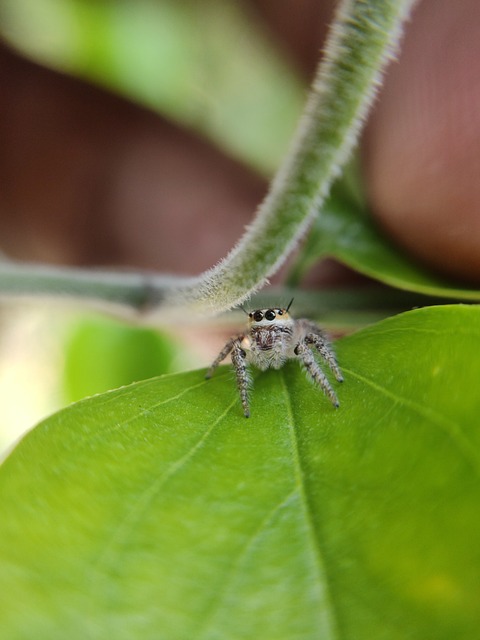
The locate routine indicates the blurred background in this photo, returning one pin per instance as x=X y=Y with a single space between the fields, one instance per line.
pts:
x=142 y=133
x=119 y=120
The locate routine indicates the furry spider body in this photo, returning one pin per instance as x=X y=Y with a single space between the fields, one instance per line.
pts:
x=273 y=337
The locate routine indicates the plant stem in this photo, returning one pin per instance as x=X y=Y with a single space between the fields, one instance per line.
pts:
x=363 y=38
x=123 y=291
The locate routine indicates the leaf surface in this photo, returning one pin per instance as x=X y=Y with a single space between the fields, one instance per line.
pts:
x=158 y=511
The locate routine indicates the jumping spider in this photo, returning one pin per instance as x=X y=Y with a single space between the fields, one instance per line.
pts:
x=273 y=337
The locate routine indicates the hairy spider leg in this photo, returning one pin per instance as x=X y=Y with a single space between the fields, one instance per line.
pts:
x=222 y=355
x=306 y=357
x=315 y=336
x=238 y=361
x=323 y=347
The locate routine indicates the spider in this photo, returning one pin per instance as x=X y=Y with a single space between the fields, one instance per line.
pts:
x=272 y=337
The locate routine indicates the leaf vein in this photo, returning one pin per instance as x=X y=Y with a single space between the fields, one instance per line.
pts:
x=99 y=435
x=325 y=593
x=451 y=428
x=133 y=515
x=252 y=541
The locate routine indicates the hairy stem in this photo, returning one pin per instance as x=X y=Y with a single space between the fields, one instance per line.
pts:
x=363 y=38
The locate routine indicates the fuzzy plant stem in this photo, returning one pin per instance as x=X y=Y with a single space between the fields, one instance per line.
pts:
x=363 y=38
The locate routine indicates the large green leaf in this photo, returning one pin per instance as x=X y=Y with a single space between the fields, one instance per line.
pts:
x=158 y=511
x=345 y=231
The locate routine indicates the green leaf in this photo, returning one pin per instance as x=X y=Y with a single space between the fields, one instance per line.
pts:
x=102 y=353
x=158 y=511
x=344 y=231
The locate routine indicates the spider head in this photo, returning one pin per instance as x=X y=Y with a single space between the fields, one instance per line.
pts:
x=266 y=317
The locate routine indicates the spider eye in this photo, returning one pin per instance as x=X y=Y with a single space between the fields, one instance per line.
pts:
x=280 y=312
x=270 y=314
x=250 y=315
x=257 y=316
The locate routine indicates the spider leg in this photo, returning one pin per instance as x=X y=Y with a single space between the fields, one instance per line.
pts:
x=222 y=355
x=322 y=344
x=233 y=346
x=238 y=360
x=313 y=369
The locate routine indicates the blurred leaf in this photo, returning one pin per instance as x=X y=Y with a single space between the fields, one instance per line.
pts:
x=344 y=230
x=158 y=511
x=103 y=354
x=225 y=79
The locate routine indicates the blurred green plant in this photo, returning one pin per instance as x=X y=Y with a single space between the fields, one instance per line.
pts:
x=346 y=232
x=103 y=354
x=224 y=79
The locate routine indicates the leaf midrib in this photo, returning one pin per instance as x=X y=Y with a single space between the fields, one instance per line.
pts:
x=315 y=541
